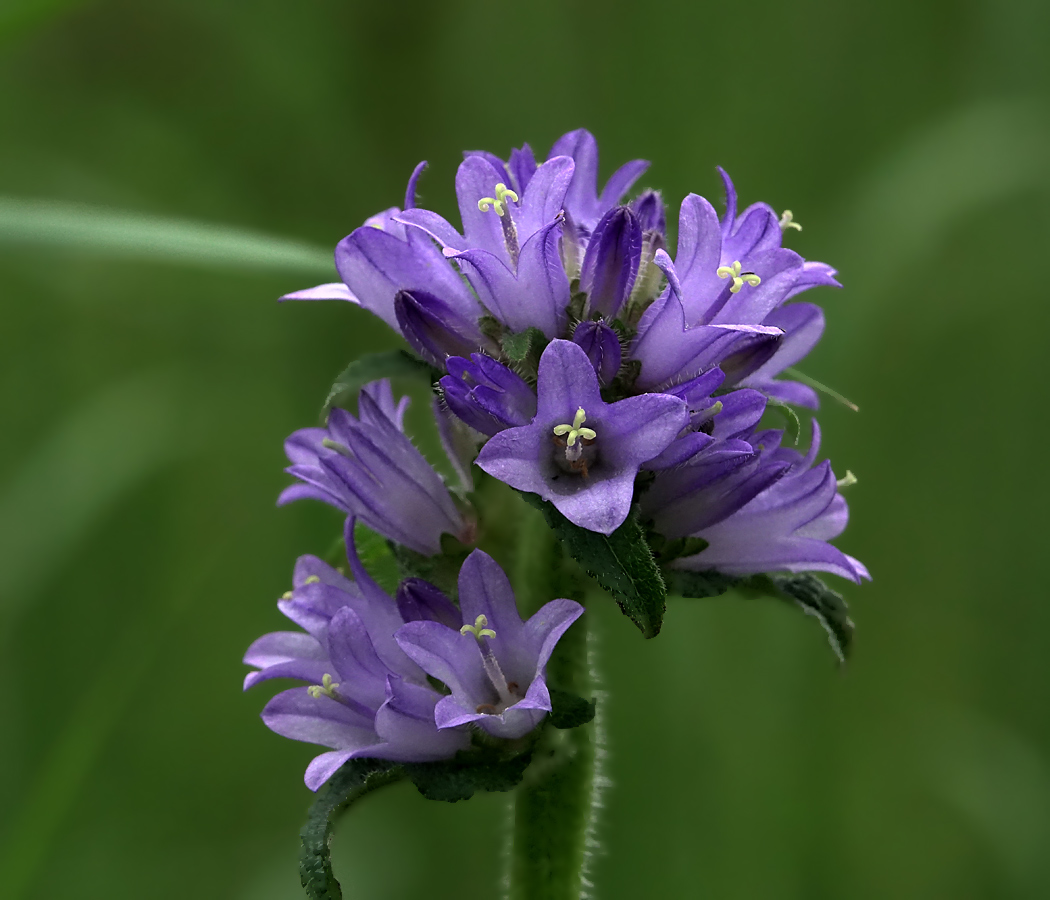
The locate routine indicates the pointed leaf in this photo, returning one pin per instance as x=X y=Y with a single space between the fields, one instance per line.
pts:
x=391 y=364
x=570 y=710
x=457 y=779
x=815 y=599
x=620 y=562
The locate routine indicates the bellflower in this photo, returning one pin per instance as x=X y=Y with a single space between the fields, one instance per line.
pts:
x=579 y=452
x=367 y=467
x=365 y=697
x=494 y=664
x=786 y=526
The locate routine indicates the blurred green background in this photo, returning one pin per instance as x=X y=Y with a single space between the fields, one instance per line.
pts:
x=149 y=378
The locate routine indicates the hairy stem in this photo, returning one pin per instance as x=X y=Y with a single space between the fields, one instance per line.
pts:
x=554 y=805
x=349 y=784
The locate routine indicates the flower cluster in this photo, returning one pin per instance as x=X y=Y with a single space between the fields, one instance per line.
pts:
x=366 y=656
x=577 y=361
x=592 y=368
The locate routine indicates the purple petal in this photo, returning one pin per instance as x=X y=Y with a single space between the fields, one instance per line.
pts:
x=318 y=720
x=283 y=646
x=410 y=191
x=621 y=181
x=567 y=381
x=449 y=656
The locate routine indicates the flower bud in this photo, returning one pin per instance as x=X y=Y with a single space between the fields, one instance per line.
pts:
x=486 y=394
x=611 y=262
x=420 y=601
x=434 y=329
x=649 y=208
x=602 y=347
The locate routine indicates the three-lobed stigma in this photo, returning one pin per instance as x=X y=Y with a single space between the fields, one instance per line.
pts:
x=478 y=629
x=787 y=220
x=499 y=202
x=576 y=430
x=327 y=688
x=739 y=278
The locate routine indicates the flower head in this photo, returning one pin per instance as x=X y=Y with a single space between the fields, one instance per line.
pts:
x=367 y=467
x=494 y=663
x=364 y=696
x=580 y=452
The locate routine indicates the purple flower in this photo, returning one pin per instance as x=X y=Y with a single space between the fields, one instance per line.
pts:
x=509 y=246
x=486 y=394
x=602 y=346
x=786 y=526
x=578 y=452
x=367 y=467
x=366 y=697
x=494 y=664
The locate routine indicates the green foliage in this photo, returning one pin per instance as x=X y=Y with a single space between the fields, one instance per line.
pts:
x=814 y=598
x=570 y=710
x=353 y=780
x=699 y=584
x=472 y=770
x=524 y=349
x=620 y=562
x=390 y=364
x=805 y=590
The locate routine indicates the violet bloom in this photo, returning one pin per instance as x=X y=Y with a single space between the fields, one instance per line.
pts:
x=785 y=527
x=367 y=467
x=494 y=664
x=602 y=346
x=365 y=697
x=579 y=452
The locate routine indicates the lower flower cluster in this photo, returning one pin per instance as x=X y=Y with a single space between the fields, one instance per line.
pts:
x=405 y=678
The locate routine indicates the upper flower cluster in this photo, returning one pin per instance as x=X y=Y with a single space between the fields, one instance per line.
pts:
x=582 y=355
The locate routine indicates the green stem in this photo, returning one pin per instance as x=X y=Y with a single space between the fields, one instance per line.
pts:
x=554 y=805
x=349 y=784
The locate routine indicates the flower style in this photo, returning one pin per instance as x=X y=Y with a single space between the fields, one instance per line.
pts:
x=367 y=467
x=366 y=697
x=494 y=664
x=586 y=471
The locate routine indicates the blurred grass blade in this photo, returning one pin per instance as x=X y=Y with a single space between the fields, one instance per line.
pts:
x=86 y=229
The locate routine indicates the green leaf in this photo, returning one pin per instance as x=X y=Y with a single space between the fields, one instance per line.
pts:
x=390 y=364
x=805 y=590
x=815 y=599
x=699 y=584
x=353 y=780
x=377 y=556
x=620 y=562
x=457 y=779
x=570 y=710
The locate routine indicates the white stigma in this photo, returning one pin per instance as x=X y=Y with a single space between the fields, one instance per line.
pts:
x=739 y=278
x=787 y=220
